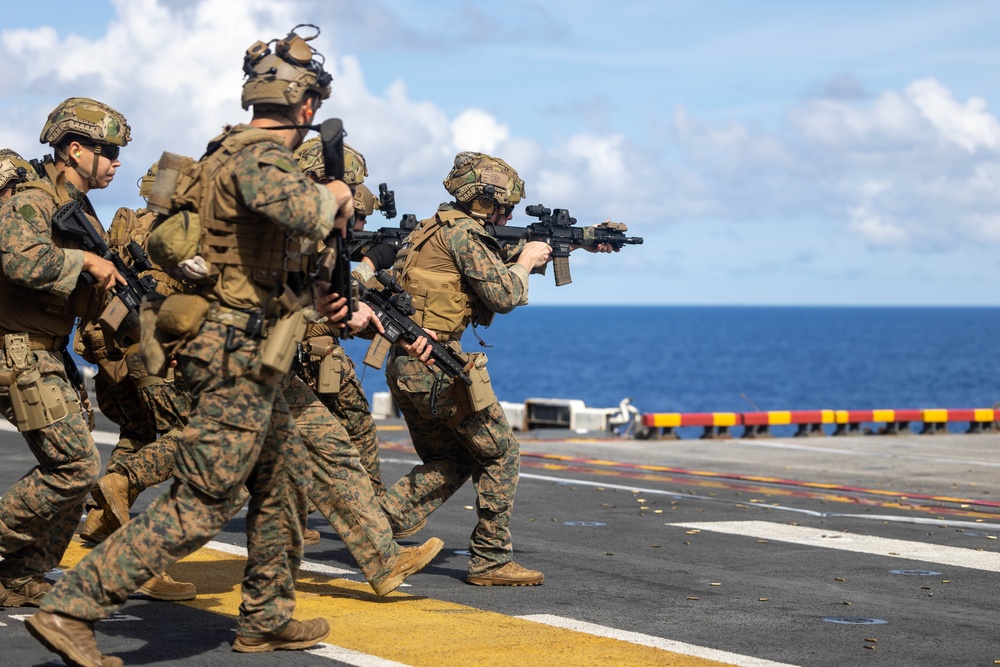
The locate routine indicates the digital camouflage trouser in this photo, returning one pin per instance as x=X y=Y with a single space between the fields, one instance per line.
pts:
x=482 y=445
x=341 y=489
x=40 y=511
x=143 y=410
x=350 y=406
x=240 y=431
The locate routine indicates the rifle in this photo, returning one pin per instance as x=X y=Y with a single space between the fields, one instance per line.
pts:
x=393 y=306
x=334 y=263
x=361 y=242
x=555 y=227
x=70 y=219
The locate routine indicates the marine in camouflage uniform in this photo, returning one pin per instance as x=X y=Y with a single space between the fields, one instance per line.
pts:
x=41 y=294
x=144 y=406
x=346 y=481
x=348 y=403
x=457 y=274
x=253 y=200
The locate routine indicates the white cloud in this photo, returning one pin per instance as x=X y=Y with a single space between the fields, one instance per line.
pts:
x=476 y=130
x=969 y=125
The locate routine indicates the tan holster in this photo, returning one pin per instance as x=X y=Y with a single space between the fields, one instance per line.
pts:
x=35 y=403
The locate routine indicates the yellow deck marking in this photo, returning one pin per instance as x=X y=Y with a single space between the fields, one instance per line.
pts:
x=412 y=630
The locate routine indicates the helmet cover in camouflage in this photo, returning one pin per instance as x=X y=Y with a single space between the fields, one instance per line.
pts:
x=355 y=167
x=283 y=76
x=88 y=118
x=480 y=182
x=310 y=158
x=364 y=200
x=146 y=181
x=14 y=169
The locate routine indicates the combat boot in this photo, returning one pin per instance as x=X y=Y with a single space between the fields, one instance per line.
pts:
x=28 y=594
x=409 y=561
x=71 y=638
x=3 y=594
x=112 y=495
x=510 y=574
x=412 y=530
x=310 y=536
x=297 y=635
x=163 y=587
x=95 y=529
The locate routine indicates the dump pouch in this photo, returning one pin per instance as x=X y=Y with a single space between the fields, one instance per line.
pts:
x=282 y=342
x=181 y=315
x=151 y=344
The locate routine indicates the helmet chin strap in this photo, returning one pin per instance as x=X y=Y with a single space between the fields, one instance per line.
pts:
x=91 y=178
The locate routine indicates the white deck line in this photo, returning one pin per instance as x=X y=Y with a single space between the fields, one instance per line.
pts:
x=972 y=559
x=652 y=642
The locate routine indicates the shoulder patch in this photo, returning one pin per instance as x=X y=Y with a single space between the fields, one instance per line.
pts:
x=28 y=212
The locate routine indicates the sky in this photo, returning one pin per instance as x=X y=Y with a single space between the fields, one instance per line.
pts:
x=769 y=152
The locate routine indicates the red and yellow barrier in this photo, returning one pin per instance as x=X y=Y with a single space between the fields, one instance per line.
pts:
x=812 y=422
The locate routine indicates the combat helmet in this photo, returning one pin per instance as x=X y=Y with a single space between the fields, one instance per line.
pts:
x=283 y=76
x=14 y=169
x=90 y=120
x=481 y=182
x=310 y=159
x=93 y=123
x=364 y=200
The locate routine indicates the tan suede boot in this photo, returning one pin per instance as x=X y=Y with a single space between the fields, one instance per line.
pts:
x=112 y=495
x=163 y=587
x=297 y=635
x=410 y=561
x=71 y=638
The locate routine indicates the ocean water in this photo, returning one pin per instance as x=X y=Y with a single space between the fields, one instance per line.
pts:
x=738 y=359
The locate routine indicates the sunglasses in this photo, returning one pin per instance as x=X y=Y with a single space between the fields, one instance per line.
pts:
x=109 y=151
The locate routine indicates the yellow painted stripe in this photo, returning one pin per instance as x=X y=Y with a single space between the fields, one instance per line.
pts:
x=936 y=415
x=667 y=419
x=413 y=630
x=984 y=414
x=779 y=417
x=842 y=417
x=724 y=418
x=827 y=416
x=884 y=415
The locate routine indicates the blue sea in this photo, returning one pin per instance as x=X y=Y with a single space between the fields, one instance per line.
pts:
x=739 y=359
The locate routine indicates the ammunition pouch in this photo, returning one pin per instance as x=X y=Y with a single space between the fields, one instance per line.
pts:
x=278 y=350
x=35 y=403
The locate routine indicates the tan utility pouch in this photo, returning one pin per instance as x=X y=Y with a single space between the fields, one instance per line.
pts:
x=283 y=340
x=329 y=372
x=480 y=392
x=377 y=352
x=181 y=315
x=475 y=397
x=35 y=404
